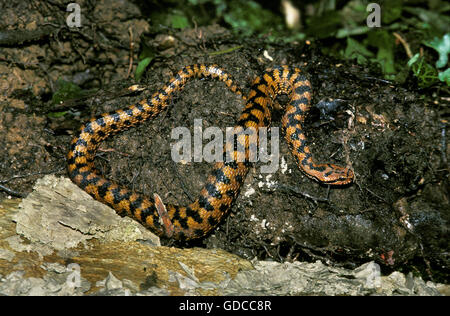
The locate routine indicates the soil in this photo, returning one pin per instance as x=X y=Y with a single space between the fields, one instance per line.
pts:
x=394 y=137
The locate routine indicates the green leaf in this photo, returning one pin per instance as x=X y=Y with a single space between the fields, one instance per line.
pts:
x=385 y=44
x=148 y=53
x=66 y=90
x=141 y=67
x=413 y=59
x=436 y=23
x=249 y=17
x=344 y=32
x=356 y=50
x=444 y=76
x=391 y=10
x=426 y=74
x=146 y=50
x=179 y=22
x=56 y=114
x=442 y=46
x=325 y=25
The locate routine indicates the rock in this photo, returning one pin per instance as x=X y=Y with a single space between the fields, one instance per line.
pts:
x=301 y=278
x=54 y=283
x=110 y=255
x=66 y=212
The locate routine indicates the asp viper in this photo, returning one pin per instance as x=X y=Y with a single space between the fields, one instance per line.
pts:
x=223 y=183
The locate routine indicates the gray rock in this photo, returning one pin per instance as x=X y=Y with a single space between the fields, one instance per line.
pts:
x=65 y=211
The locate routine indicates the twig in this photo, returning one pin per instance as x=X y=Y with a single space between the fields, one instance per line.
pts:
x=305 y=195
x=130 y=66
x=30 y=174
x=20 y=194
x=226 y=51
x=12 y=192
x=404 y=43
x=377 y=196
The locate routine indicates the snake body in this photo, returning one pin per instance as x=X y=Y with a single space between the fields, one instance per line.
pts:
x=223 y=184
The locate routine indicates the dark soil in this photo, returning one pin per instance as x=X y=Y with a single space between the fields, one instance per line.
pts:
x=396 y=212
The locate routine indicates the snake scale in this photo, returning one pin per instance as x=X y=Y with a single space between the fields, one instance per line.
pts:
x=223 y=184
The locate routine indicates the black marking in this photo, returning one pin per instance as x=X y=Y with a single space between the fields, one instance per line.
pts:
x=199 y=232
x=101 y=121
x=301 y=148
x=194 y=215
x=81 y=142
x=212 y=221
x=134 y=205
x=306 y=158
x=289 y=73
x=212 y=191
x=320 y=168
x=94 y=142
x=303 y=88
x=94 y=180
x=129 y=111
x=71 y=161
x=73 y=174
x=163 y=92
x=298 y=102
x=292 y=120
x=259 y=94
x=180 y=78
x=116 y=117
x=224 y=208
x=293 y=136
x=88 y=128
x=103 y=189
x=140 y=107
x=204 y=203
x=253 y=106
x=84 y=174
x=117 y=197
x=297 y=105
x=327 y=174
x=250 y=117
x=181 y=220
x=231 y=193
x=146 y=212
x=264 y=81
x=155 y=98
x=172 y=85
x=221 y=177
x=80 y=165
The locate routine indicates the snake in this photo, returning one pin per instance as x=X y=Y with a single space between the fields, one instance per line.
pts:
x=223 y=184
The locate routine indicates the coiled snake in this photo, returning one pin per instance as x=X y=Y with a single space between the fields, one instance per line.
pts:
x=223 y=183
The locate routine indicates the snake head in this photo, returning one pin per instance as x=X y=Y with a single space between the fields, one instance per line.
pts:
x=337 y=175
